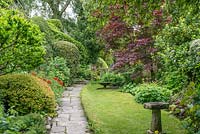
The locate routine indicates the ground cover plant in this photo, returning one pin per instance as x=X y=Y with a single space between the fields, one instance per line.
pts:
x=113 y=112
x=29 y=124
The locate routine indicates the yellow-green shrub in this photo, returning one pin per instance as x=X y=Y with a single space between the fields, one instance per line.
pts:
x=70 y=53
x=25 y=94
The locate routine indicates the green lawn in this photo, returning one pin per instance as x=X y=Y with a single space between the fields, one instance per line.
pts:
x=112 y=112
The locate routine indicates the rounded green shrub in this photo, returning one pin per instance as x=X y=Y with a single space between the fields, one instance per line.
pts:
x=71 y=54
x=25 y=94
x=61 y=36
x=151 y=92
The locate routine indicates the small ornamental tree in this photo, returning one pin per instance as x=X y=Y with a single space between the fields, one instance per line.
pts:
x=128 y=29
x=21 y=43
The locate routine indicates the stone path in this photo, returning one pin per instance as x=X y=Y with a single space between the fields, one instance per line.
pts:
x=71 y=118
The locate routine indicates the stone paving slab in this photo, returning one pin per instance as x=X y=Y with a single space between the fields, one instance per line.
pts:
x=71 y=118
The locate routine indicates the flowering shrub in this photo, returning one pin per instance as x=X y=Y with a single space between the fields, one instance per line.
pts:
x=55 y=69
x=55 y=83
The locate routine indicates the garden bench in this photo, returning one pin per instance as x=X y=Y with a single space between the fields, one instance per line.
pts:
x=156 y=107
x=105 y=84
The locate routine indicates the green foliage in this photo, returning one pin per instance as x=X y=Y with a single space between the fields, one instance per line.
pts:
x=194 y=60
x=129 y=88
x=101 y=64
x=53 y=33
x=56 y=23
x=99 y=68
x=29 y=124
x=21 y=43
x=84 y=31
x=175 y=58
x=151 y=92
x=84 y=72
x=133 y=73
x=1 y=110
x=192 y=100
x=49 y=35
x=56 y=73
x=44 y=27
x=57 y=87
x=60 y=36
x=175 y=81
x=56 y=67
x=70 y=53
x=115 y=79
x=5 y=3
x=55 y=83
x=25 y=94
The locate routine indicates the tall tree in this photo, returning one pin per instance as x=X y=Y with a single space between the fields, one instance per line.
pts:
x=84 y=31
x=55 y=9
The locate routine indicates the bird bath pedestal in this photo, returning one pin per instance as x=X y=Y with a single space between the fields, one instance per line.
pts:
x=156 y=107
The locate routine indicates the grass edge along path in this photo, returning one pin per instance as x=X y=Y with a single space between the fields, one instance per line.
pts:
x=112 y=112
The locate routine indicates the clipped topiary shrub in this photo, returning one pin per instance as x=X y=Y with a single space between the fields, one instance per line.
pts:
x=151 y=92
x=53 y=30
x=25 y=94
x=71 y=54
x=61 y=36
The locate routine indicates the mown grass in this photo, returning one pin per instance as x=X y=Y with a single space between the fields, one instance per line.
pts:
x=112 y=112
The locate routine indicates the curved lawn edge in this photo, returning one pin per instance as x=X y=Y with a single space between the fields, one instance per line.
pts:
x=112 y=112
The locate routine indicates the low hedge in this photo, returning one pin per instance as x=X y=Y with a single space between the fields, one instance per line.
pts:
x=25 y=94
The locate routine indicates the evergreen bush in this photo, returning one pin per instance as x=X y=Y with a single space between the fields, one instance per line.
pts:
x=25 y=94
x=70 y=53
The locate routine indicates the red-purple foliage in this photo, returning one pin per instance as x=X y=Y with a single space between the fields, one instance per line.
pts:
x=138 y=38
